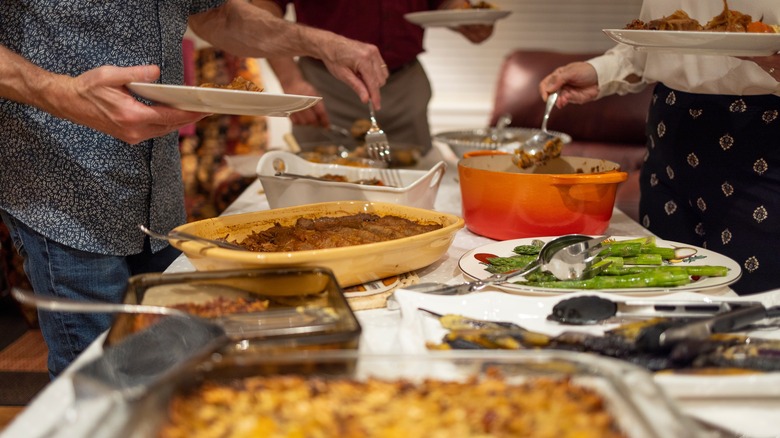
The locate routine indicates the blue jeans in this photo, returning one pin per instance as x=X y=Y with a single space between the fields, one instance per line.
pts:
x=60 y=271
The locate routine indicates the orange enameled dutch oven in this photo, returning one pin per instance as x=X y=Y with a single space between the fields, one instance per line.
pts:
x=562 y=196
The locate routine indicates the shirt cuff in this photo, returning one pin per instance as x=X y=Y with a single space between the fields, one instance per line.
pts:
x=614 y=66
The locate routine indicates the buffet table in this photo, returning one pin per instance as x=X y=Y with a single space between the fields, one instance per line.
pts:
x=385 y=331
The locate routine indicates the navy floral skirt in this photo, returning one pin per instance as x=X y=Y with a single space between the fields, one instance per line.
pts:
x=712 y=178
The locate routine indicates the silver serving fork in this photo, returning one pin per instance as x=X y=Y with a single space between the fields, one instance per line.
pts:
x=377 y=146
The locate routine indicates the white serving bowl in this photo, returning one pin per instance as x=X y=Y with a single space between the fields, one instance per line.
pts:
x=414 y=188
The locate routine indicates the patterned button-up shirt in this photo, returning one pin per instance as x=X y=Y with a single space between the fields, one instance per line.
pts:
x=75 y=185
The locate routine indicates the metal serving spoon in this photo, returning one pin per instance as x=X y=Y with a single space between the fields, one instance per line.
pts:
x=179 y=235
x=543 y=145
x=553 y=256
x=234 y=325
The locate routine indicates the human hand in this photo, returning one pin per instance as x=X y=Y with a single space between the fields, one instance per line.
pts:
x=770 y=64
x=476 y=33
x=98 y=99
x=576 y=83
x=315 y=115
x=357 y=64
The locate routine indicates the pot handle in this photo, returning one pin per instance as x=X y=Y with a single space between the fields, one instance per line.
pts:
x=610 y=177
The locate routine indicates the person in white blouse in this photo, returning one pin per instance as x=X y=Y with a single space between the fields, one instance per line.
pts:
x=711 y=176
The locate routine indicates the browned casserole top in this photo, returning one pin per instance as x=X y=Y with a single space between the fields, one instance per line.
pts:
x=293 y=406
x=334 y=232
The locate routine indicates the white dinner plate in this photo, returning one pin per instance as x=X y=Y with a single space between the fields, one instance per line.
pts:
x=472 y=267
x=456 y=17
x=701 y=43
x=223 y=101
x=530 y=312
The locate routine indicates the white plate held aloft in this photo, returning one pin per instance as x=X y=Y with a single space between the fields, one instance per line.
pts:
x=698 y=43
x=456 y=17
x=223 y=101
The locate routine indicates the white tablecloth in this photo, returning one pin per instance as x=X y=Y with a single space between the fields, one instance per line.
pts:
x=757 y=417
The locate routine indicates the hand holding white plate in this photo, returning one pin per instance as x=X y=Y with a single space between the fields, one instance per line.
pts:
x=223 y=101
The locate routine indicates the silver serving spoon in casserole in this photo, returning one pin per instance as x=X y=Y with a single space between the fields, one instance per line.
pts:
x=543 y=146
x=179 y=235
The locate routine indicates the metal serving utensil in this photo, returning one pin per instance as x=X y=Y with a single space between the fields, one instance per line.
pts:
x=498 y=135
x=317 y=178
x=179 y=235
x=236 y=325
x=543 y=146
x=377 y=146
x=553 y=256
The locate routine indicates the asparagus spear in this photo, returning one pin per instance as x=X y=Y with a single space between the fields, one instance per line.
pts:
x=634 y=249
x=629 y=263
x=504 y=264
x=644 y=259
x=650 y=278
x=693 y=271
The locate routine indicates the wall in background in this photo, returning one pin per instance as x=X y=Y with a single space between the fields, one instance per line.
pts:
x=463 y=74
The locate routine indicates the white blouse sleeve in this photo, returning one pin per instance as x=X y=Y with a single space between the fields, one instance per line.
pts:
x=615 y=66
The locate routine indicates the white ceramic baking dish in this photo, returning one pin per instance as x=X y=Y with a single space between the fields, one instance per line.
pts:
x=412 y=188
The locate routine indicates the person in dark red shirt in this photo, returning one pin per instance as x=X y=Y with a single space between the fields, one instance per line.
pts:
x=405 y=96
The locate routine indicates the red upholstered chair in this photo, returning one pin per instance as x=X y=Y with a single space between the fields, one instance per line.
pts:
x=612 y=128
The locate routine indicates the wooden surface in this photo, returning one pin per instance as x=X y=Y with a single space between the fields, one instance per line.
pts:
x=7 y=414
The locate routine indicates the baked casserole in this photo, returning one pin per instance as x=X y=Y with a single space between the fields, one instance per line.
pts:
x=296 y=406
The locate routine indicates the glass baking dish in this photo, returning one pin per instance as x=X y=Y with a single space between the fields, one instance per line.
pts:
x=635 y=402
x=306 y=307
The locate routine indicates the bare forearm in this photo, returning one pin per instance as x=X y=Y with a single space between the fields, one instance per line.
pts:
x=285 y=68
x=24 y=82
x=246 y=30
x=96 y=98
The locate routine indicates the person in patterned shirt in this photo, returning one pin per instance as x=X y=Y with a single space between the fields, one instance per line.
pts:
x=85 y=162
x=711 y=176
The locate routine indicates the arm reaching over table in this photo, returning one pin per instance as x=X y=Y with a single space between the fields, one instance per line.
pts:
x=404 y=114
x=247 y=30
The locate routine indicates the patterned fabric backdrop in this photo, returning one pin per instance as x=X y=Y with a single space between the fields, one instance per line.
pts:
x=210 y=186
